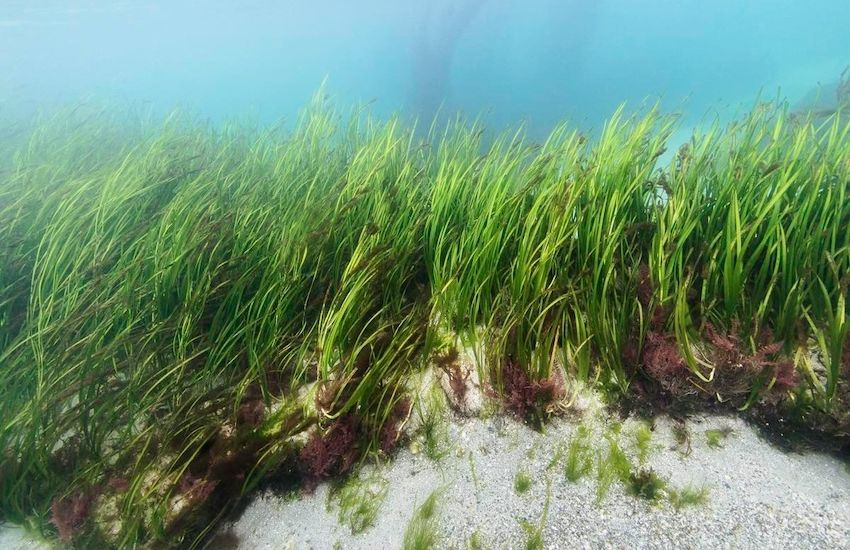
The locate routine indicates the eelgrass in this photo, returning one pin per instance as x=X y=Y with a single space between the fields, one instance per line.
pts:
x=171 y=292
x=614 y=465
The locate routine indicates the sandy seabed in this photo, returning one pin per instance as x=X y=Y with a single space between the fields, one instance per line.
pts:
x=759 y=496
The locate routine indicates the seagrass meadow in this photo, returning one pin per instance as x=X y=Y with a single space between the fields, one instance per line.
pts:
x=188 y=310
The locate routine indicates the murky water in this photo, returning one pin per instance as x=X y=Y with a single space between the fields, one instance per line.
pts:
x=538 y=61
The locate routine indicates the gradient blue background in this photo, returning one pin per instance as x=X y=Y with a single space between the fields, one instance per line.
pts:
x=537 y=61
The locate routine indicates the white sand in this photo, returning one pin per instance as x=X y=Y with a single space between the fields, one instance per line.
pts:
x=760 y=497
x=16 y=538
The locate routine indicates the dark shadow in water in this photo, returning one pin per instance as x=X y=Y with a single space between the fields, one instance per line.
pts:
x=225 y=540
x=286 y=482
x=434 y=48
x=563 y=32
x=783 y=429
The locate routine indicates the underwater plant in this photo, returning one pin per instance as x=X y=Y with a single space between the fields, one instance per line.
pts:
x=421 y=532
x=688 y=496
x=643 y=439
x=534 y=531
x=611 y=466
x=579 y=459
x=522 y=482
x=433 y=425
x=682 y=437
x=359 y=500
x=716 y=436
x=187 y=310
x=646 y=484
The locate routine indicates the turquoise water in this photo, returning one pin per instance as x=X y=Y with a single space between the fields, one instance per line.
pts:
x=537 y=61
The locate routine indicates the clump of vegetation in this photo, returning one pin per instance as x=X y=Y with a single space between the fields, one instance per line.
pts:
x=716 y=436
x=433 y=426
x=527 y=397
x=682 y=437
x=610 y=467
x=534 y=531
x=69 y=514
x=688 y=496
x=744 y=368
x=646 y=484
x=522 y=482
x=615 y=466
x=534 y=535
x=173 y=295
x=579 y=459
x=447 y=361
x=421 y=532
x=331 y=452
x=359 y=501
x=664 y=362
x=643 y=439
x=474 y=542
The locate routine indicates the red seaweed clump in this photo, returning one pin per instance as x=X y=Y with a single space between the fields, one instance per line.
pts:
x=69 y=514
x=391 y=430
x=786 y=375
x=663 y=361
x=252 y=409
x=332 y=452
x=738 y=370
x=196 y=489
x=118 y=484
x=448 y=363
x=645 y=288
x=529 y=398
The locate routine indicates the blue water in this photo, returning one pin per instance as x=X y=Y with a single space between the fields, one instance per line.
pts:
x=537 y=61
